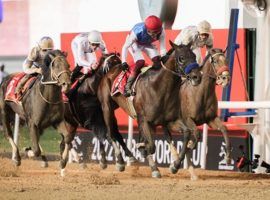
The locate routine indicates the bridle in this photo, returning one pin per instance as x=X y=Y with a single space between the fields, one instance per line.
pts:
x=184 y=70
x=54 y=76
x=217 y=73
x=54 y=80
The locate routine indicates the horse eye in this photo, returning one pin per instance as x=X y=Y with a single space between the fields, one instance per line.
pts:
x=181 y=59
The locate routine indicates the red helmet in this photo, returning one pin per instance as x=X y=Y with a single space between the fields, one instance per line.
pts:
x=153 y=23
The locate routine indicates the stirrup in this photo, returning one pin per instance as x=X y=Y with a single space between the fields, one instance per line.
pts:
x=127 y=93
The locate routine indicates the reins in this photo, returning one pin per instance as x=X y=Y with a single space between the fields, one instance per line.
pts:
x=54 y=76
x=54 y=80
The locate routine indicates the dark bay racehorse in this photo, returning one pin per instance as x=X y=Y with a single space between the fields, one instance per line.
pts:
x=85 y=108
x=155 y=101
x=41 y=106
x=199 y=104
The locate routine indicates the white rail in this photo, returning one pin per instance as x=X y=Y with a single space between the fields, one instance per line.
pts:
x=243 y=104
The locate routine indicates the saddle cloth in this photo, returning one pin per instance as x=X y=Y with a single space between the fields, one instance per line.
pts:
x=120 y=81
x=10 y=93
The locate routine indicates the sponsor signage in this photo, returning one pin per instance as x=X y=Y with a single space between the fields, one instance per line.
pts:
x=88 y=146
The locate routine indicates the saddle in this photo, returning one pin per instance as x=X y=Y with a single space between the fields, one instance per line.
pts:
x=120 y=81
x=10 y=93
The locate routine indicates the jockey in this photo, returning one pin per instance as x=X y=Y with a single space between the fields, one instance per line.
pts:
x=83 y=48
x=140 y=40
x=34 y=60
x=199 y=36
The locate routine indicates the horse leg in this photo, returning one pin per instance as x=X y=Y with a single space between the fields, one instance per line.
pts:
x=44 y=159
x=68 y=134
x=34 y=135
x=109 y=118
x=120 y=140
x=217 y=124
x=16 y=158
x=103 y=160
x=184 y=149
x=147 y=131
x=174 y=153
x=193 y=176
x=192 y=143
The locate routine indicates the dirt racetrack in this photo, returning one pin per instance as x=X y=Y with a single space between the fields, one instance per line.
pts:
x=30 y=181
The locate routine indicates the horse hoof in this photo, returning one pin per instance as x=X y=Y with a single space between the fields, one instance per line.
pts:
x=173 y=169
x=16 y=162
x=30 y=154
x=44 y=164
x=194 y=178
x=132 y=159
x=120 y=167
x=156 y=174
x=83 y=165
x=103 y=165
x=62 y=164
x=62 y=173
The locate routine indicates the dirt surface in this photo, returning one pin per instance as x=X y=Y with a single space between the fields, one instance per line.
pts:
x=30 y=181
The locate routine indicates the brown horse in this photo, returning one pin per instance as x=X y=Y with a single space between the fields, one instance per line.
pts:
x=155 y=100
x=85 y=109
x=199 y=104
x=41 y=106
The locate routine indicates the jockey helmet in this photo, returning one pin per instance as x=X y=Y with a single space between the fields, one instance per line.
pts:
x=204 y=27
x=153 y=23
x=94 y=37
x=46 y=43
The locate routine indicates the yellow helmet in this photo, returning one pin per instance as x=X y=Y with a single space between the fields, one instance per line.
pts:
x=204 y=27
x=46 y=43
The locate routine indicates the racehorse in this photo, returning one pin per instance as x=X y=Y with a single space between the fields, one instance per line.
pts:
x=199 y=104
x=41 y=106
x=155 y=100
x=85 y=110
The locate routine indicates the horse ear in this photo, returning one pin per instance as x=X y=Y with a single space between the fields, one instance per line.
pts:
x=189 y=44
x=118 y=54
x=174 y=46
x=47 y=59
x=65 y=53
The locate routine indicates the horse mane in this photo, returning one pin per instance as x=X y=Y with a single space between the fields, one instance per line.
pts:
x=210 y=53
x=104 y=67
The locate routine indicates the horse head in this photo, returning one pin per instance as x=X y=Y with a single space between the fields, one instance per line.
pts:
x=219 y=67
x=56 y=70
x=186 y=64
x=107 y=61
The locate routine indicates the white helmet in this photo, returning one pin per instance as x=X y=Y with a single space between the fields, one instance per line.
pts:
x=204 y=27
x=95 y=37
x=46 y=43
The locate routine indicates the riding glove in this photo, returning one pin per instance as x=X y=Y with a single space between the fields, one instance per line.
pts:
x=124 y=66
x=164 y=58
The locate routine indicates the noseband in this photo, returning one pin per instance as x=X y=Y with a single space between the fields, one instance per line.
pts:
x=54 y=76
x=184 y=70
x=217 y=73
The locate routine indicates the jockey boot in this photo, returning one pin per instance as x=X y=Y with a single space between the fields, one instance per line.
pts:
x=156 y=63
x=18 y=90
x=127 y=90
